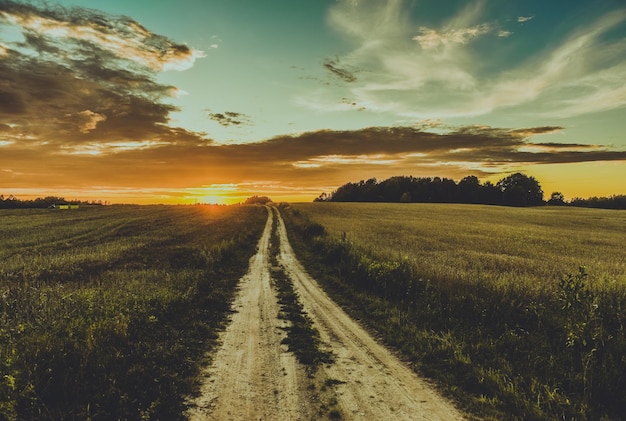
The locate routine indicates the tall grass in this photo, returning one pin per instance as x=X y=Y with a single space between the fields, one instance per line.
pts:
x=490 y=301
x=106 y=312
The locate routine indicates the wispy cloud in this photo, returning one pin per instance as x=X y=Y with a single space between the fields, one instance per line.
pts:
x=431 y=38
x=420 y=71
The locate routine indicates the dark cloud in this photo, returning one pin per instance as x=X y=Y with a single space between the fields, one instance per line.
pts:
x=352 y=103
x=80 y=76
x=332 y=65
x=308 y=161
x=231 y=118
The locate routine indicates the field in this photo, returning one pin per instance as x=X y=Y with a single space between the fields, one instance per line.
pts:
x=519 y=313
x=476 y=243
x=106 y=312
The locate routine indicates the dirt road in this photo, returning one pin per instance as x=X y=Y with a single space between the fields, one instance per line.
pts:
x=253 y=377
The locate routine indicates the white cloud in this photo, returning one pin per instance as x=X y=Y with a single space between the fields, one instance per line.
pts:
x=522 y=19
x=438 y=74
x=430 y=38
x=124 y=38
x=573 y=66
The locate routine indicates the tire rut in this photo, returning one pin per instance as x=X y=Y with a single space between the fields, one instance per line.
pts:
x=372 y=382
x=253 y=377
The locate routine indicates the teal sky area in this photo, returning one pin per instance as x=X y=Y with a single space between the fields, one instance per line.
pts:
x=265 y=59
x=544 y=82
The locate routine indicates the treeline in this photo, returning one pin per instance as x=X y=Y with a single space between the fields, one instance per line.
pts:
x=12 y=202
x=611 y=202
x=514 y=190
x=257 y=200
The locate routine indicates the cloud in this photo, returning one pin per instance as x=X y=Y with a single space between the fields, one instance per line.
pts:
x=89 y=120
x=522 y=19
x=99 y=72
x=230 y=118
x=431 y=39
x=49 y=29
x=309 y=162
x=333 y=67
x=421 y=71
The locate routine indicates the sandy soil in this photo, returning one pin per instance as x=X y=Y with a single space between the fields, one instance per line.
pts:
x=253 y=377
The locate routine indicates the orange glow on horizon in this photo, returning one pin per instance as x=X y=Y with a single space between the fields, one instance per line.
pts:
x=583 y=180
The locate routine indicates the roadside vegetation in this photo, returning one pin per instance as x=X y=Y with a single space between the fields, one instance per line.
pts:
x=302 y=337
x=106 y=312
x=518 y=313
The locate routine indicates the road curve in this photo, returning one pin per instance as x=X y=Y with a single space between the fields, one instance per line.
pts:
x=376 y=385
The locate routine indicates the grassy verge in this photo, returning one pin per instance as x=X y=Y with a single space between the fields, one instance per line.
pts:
x=106 y=313
x=303 y=339
x=504 y=350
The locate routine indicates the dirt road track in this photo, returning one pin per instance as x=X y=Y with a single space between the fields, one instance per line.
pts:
x=253 y=377
x=377 y=385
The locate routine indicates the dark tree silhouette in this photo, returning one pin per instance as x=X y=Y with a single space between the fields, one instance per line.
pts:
x=468 y=189
x=257 y=200
x=515 y=190
x=611 y=202
x=520 y=190
x=556 y=199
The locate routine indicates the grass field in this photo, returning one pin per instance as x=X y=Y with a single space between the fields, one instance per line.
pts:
x=484 y=243
x=105 y=312
x=491 y=301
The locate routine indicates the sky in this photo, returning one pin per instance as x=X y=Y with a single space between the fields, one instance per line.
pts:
x=211 y=101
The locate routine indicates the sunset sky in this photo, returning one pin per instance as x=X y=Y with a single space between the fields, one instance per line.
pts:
x=161 y=101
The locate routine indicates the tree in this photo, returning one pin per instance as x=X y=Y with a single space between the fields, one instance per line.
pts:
x=405 y=198
x=556 y=199
x=520 y=190
x=257 y=200
x=468 y=189
x=323 y=198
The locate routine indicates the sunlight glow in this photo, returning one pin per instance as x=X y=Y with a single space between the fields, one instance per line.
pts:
x=378 y=159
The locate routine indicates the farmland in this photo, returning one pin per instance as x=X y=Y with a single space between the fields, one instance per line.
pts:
x=519 y=313
x=106 y=312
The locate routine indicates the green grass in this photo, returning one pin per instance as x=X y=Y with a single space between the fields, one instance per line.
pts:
x=106 y=312
x=303 y=339
x=484 y=243
x=488 y=300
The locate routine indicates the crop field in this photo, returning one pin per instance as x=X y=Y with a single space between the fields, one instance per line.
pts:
x=518 y=313
x=475 y=243
x=106 y=311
